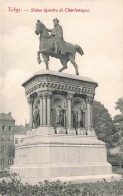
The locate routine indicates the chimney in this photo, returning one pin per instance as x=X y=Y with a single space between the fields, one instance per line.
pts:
x=9 y=113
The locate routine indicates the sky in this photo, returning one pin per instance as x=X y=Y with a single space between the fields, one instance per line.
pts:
x=99 y=32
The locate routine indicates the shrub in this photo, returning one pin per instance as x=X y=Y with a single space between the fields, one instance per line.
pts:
x=115 y=159
x=4 y=174
x=14 y=187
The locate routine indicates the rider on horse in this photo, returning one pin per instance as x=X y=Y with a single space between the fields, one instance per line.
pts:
x=63 y=50
x=57 y=32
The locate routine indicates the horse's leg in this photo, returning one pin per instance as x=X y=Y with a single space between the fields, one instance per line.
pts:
x=38 y=57
x=64 y=63
x=72 y=60
x=46 y=59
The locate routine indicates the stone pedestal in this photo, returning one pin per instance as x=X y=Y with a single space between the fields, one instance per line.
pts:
x=51 y=156
x=60 y=130
x=71 y=131
x=45 y=131
x=81 y=131
x=61 y=142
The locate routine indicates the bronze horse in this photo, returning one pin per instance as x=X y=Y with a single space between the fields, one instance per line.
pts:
x=47 y=48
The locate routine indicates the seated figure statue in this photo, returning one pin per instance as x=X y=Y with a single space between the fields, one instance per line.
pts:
x=57 y=34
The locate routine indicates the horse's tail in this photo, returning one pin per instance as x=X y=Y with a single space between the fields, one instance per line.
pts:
x=79 y=50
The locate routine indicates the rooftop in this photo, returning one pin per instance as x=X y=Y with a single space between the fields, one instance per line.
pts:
x=8 y=116
x=20 y=130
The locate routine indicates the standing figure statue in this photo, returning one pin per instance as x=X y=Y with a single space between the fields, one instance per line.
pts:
x=36 y=116
x=59 y=116
x=78 y=118
x=55 y=46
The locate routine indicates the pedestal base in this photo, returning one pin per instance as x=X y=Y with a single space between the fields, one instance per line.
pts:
x=91 y=132
x=62 y=156
x=71 y=131
x=53 y=170
x=90 y=178
x=81 y=131
x=42 y=130
x=74 y=179
x=60 y=130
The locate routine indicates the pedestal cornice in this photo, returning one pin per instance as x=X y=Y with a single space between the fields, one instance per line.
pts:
x=50 y=81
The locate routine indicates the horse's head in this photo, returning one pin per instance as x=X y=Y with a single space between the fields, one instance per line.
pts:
x=39 y=27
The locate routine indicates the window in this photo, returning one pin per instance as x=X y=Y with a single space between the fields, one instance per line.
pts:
x=3 y=138
x=22 y=139
x=3 y=149
x=3 y=127
x=10 y=138
x=2 y=161
x=16 y=140
x=10 y=161
x=10 y=128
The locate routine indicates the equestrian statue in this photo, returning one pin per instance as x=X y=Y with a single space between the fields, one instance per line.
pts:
x=54 y=45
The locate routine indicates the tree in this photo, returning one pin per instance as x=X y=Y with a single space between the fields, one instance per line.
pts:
x=118 y=119
x=119 y=105
x=104 y=126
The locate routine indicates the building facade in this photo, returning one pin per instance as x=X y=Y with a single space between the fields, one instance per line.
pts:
x=7 y=126
x=20 y=133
